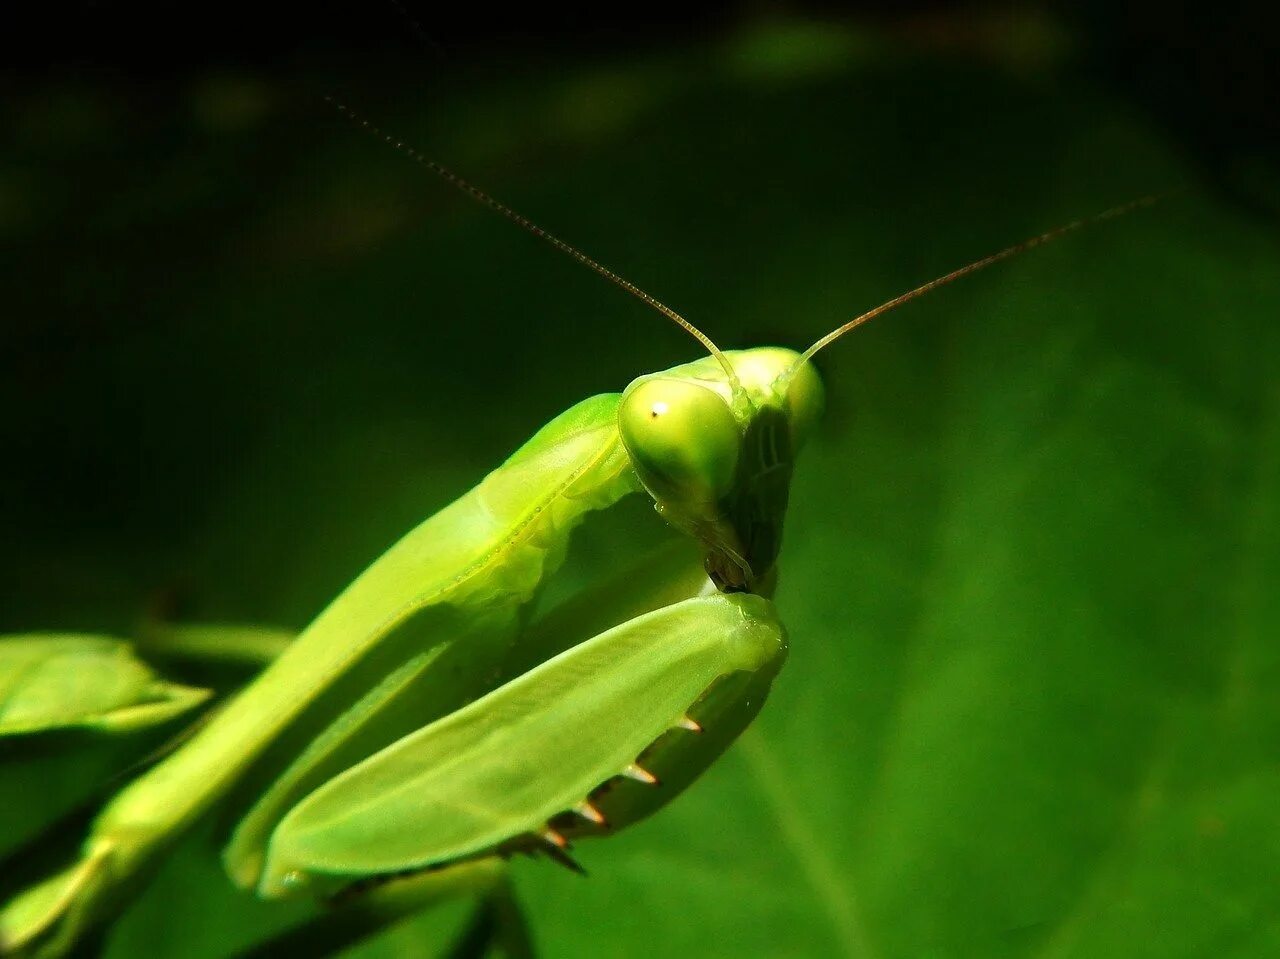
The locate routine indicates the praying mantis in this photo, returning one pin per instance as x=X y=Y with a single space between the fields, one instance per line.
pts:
x=388 y=756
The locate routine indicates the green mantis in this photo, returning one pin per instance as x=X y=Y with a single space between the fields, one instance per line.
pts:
x=390 y=746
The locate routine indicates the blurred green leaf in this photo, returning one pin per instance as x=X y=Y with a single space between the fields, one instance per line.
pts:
x=50 y=682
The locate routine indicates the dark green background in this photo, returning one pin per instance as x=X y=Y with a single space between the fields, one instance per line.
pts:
x=1032 y=705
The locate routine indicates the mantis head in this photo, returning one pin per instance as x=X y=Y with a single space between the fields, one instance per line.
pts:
x=713 y=442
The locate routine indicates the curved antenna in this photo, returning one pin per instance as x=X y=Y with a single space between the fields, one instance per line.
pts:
x=524 y=222
x=974 y=267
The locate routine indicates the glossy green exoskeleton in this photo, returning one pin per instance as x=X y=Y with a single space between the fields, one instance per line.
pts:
x=384 y=751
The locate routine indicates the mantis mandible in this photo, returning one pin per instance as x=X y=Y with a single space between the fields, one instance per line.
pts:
x=387 y=749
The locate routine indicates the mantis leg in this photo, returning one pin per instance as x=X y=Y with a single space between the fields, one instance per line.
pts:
x=666 y=575
x=509 y=770
x=356 y=917
x=455 y=591
x=235 y=644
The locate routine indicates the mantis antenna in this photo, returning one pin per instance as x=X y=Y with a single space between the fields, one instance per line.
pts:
x=974 y=267
x=522 y=221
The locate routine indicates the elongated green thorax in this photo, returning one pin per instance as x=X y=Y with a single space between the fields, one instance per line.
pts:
x=716 y=456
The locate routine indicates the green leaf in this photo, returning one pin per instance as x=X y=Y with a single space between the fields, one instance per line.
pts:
x=68 y=681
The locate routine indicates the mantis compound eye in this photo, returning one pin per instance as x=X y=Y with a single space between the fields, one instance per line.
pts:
x=805 y=400
x=683 y=439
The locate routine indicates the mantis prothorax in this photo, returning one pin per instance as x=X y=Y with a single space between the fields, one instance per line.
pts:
x=382 y=747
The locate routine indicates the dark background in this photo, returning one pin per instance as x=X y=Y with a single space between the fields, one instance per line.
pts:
x=1030 y=566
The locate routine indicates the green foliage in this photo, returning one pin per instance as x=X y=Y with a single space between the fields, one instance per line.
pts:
x=59 y=682
x=1029 y=569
